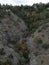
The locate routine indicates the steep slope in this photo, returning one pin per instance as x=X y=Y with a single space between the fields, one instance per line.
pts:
x=39 y=45
x=12 y=30
x=18 y=47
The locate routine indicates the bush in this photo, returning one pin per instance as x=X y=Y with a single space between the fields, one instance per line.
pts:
x=5 y=63
x=2 y=51
x=39 y=30
x=43 y=35
x=25 y=53
x=22 y=47
x=23 y=61
x=33 y=30
x=38 y=40
x=45 y=26
x=45 y=46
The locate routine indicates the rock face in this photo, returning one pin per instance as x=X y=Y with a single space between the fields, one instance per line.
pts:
x=11 y=32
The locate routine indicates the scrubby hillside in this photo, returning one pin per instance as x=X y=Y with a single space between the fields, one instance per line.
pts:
x=12 y=34
x=24 y=34
x=39 y=46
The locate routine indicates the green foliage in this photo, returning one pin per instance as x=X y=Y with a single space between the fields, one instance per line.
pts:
x=32 y=16
x=23 y=61
x=5 y=63
x=39 y=30
x=38 y=40
x=22 y=49
x=33 y=30
x=45 y=26
x=45 y=46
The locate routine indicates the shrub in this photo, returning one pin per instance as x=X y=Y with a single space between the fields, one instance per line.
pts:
x=45 y=46
x=25 y=53
x=23 y=61
x=43 y=35
x=2 y=51
x=38 y=40
x=5 y=63
x=33 y=30
x=8 y=62
x=39 y=30
x=0 y=22
x=11 y=56
x=45 y=26
x=22 y=47
x=42 y=61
